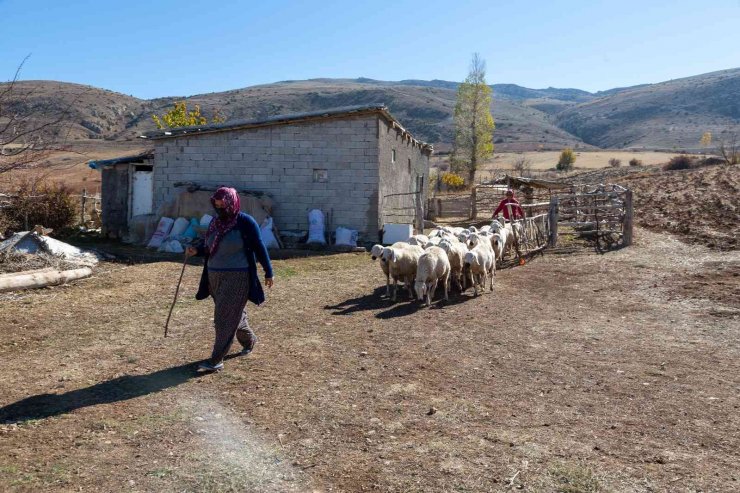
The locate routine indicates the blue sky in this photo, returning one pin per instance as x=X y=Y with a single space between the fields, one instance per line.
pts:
x=178 y=48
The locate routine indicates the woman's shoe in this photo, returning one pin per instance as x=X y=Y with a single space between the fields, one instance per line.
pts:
x=207 y=366
x=247 y=340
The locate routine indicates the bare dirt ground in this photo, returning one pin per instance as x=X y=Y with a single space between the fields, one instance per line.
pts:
x=580 y=372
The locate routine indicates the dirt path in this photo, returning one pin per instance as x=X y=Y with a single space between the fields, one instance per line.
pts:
x=618 y=372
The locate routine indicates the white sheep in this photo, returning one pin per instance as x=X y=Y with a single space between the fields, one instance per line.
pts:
x=420 y=240
x=433 y=267
x=402 y=260
x=434 y=241
x=481 y=262
x=456 y=254
x=497 y=243
x=507 y=237
x=376 y=252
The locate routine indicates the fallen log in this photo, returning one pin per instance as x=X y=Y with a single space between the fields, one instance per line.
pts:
x=41 y=279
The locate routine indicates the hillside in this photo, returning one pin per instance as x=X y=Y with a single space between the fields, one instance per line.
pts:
x=667 y=115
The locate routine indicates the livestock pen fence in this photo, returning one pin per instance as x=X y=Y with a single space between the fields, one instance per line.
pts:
x=87 y=206
x=404 y=208
x=599 y=213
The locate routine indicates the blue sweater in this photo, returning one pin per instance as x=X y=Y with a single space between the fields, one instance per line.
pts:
x=255 y=250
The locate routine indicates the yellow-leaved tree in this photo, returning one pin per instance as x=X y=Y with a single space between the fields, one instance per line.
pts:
x=179 y=116
x=473 y=121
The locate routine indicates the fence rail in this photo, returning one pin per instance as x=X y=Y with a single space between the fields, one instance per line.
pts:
x=87 y=206
x=601 y=212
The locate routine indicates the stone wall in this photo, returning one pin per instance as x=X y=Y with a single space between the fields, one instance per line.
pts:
x=328 y=164
x=401 y=176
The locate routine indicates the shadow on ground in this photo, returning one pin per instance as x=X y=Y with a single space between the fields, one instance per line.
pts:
x=116 y=390
x=402 y=307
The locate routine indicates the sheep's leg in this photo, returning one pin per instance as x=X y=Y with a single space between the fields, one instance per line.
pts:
x=395 y=288
x=446 y=281
x=492 y=274
x=410 y=284
x=388 y=285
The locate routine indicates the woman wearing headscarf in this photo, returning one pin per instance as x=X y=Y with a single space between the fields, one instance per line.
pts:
x=233 y=246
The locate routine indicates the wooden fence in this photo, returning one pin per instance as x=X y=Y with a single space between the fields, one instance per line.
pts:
x=88 y=207
x=403 y=208
x=603 y=213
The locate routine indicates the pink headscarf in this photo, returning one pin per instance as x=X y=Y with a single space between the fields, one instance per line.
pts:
x=218 y=226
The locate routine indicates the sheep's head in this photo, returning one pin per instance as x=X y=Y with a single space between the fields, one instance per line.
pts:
x=387 y=254
x=421 y=289
x=471 y=259
x=495 y=226
x=376 y=251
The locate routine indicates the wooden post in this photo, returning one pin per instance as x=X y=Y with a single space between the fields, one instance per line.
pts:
x=552 y=217
x=513 y=232
x=627 y=225
x=419 y=213
x=84 y=200
x=474 y=202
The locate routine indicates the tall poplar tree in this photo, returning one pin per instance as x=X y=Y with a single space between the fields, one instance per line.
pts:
x=473 y=121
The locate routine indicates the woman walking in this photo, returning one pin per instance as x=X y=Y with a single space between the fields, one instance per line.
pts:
x=233 y=246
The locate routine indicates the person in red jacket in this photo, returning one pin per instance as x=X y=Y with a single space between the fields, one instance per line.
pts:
x=516 y=209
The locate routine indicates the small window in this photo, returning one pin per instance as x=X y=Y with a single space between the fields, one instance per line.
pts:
x=320 y=176
x=409 y=165
x=393 y=156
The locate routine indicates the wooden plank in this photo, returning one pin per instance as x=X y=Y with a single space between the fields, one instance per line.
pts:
x=627 y=226
x=578 y=224
x=553 y=220
x=591 y=195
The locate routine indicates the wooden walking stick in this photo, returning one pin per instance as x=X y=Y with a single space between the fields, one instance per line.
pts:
x=177 y=290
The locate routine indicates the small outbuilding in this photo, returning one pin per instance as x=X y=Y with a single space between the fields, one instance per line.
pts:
x=357 y=164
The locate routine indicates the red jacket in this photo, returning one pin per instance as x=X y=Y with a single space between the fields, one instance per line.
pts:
x=515 y=208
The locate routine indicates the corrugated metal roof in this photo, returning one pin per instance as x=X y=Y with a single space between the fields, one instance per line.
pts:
x=101 y=163
x=283 y=120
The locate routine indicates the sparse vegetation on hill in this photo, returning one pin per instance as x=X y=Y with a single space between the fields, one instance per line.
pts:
x=665 y=116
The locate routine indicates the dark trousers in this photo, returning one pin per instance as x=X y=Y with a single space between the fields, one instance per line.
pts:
x=230 y=291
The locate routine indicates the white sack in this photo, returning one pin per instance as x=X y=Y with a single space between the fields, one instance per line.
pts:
x=268 y=237
x=163 y=229
x=316 y=227
x=346 y=237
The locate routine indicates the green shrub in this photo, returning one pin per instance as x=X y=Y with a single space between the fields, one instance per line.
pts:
x=49 y=204
x=567 y=158
x=635 y=162
x=678 y=162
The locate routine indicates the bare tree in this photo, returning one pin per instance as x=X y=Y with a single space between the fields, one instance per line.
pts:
x=522 y=166
x=729 y=148
x=29 y=132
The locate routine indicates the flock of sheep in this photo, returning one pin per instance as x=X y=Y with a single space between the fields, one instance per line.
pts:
x=463 y=256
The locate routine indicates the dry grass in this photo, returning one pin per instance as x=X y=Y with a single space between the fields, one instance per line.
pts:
x=596 y=382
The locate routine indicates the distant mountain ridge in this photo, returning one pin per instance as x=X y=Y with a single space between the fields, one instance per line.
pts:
x=666 y=115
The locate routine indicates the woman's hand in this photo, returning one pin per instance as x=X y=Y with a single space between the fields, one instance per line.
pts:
x=268 y=282
x=190 y=251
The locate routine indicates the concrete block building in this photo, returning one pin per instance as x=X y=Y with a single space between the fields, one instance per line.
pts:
x=357 y=164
